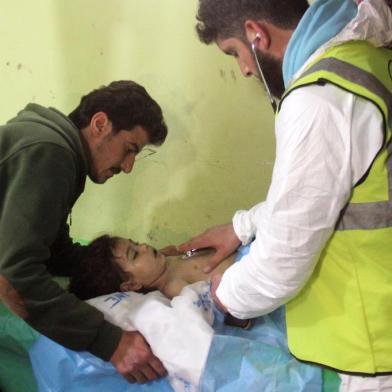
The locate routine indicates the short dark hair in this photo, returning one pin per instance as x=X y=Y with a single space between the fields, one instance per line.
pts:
x=225 y=18
x=98 y=272
x=127 y=104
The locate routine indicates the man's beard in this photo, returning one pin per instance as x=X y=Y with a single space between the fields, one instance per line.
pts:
x=272 y=70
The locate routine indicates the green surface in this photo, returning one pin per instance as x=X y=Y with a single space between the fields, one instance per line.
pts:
x=331 y=381
x=16 y=337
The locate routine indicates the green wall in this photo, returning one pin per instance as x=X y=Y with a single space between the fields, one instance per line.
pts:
x=219 y=153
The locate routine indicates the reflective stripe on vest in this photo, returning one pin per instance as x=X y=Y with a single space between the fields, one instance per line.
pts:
x=363 y=216
x=341 y=317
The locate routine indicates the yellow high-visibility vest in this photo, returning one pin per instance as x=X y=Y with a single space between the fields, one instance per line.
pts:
x=342 y=318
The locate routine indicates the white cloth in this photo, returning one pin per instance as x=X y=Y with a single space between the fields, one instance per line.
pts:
x=365 y=384
x=326 y=140
x=178 y=331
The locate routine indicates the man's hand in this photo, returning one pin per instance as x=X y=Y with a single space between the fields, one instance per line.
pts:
x=229 y=318
x=11 y=298
x=134 y=359
x=215 y=281
x=222 y=238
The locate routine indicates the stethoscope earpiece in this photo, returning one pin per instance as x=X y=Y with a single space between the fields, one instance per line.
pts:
x=253 y=46
x=257 y=38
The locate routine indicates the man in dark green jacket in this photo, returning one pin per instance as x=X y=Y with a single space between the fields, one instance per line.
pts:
x=45 y=157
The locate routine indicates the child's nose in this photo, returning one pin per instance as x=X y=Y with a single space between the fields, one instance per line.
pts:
x=143 y=246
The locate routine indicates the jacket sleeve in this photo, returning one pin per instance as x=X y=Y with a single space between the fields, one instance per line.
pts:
x=64 y=253
x=39 y=187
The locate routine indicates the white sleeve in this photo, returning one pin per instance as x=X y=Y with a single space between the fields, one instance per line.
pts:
x=244 y=223
x=326 y=140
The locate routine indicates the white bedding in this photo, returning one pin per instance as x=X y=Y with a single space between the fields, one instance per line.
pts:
x=179 y=330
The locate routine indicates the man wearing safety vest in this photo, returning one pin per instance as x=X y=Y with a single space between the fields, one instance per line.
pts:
x=323 y=237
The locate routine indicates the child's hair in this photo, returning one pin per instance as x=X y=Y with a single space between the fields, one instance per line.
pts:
x=98 y=272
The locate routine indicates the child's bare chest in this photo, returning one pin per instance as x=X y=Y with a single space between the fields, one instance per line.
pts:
x=192 y=269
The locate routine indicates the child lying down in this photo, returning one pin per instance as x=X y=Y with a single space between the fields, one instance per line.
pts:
x=119 y=264
x=179 y=330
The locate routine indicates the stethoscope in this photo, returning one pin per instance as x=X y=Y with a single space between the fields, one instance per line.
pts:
x=272 y=100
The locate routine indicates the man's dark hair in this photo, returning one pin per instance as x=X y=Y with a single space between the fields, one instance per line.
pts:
x=98 y=272
x=222 y=19
x=127 y=104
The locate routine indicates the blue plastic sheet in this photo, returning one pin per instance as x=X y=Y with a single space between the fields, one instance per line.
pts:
x=249 y=360
x=58 y=369
x=257 y=360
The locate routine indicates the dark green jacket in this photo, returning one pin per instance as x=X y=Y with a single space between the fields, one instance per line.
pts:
x=43 y=169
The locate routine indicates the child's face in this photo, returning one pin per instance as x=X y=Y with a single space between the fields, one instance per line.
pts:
x=142 y=263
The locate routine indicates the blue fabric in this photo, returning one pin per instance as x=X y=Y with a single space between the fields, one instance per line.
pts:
x=322 y=21
x=256 y=359
x=58 y=369
x=249 y=360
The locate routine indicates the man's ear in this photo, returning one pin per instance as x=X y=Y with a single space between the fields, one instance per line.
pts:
x=258 y=33
x=130 y=286
x=100 y=124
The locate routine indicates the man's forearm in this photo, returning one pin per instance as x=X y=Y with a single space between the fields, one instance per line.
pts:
x=11 y=298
